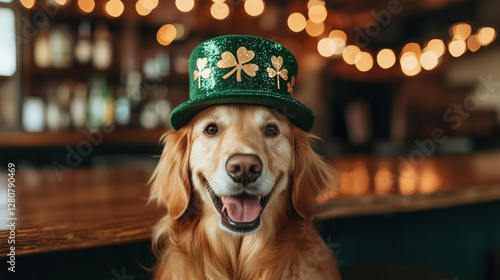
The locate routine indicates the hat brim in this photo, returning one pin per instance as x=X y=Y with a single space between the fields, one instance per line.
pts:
x=298 y=113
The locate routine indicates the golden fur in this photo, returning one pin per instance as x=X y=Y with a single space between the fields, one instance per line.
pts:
x=189 y=241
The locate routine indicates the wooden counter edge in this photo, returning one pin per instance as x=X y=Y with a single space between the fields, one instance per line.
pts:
x=389 y=204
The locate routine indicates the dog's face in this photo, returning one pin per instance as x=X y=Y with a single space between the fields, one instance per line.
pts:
x=248 y=164
x=240 y=157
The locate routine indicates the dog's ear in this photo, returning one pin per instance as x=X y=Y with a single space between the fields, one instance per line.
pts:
x=311 y=174
x=170 y=181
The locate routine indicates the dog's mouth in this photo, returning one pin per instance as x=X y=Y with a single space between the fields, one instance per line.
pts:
x=239 y=213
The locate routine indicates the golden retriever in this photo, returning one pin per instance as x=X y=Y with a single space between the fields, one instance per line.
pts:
x=240 y=183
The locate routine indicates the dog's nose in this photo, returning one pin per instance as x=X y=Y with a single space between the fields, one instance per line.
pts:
x=244 y=168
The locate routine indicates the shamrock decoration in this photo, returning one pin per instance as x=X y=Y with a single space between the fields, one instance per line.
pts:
x=290 y=85
x=244 y=56
x=201 y=73
x=277 y=63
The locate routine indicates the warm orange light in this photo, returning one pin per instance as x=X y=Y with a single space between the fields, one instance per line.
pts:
x=428 y=60
x=457 y=48
x=383 y=181
x=184 y=5
x=61 y=2
x=314 y=29
x=411 y=47
x=141 y=10
x=326 y=47
x=296 y=22
x=317 y=13
x=149 y=4
x=473 y=43
x=363 y=61
x=486 y=35
x=166 y=34
x=338 y=34
x=350 y=53
x=386 y=58
x=408 y=181
x=410 y=64
x=460 y=31
x=219 y=10
x=312 y=3
x=409 y=60
x=437 y=46
x=28 y=4
x=254 y=7
x=114 y=8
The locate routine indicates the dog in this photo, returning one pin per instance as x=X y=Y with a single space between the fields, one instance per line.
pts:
x=240 y=184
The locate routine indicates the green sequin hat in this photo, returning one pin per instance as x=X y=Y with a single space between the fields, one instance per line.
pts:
x=238 y=69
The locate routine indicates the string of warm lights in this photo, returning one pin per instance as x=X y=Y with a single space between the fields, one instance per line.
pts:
x=412 y=58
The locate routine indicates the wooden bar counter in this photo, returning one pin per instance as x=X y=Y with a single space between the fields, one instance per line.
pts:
x=106 y=205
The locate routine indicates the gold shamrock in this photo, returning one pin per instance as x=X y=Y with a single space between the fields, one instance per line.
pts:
x=244 y=56
x=277 y=63
x=201 y=73
x=291 y=84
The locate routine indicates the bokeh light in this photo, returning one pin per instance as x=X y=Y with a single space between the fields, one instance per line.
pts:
x=314 y=29
x=317 y=13
x=115 y=8
x=457 y=48
x=86 y=6
x=473 y=43
x=141 y=10
x=184 y=5
x=429 y=60
x=486 y=35
x=386 y=58
x=363 y=61
x=296 y=22
x=28 y=4
x=166 y=34
x=410 y=65
x=350 y=53
x=149 y=4
x=460 y=31
x=254 y=7
x=219 y=10
x=326 y=47
x=437 y=46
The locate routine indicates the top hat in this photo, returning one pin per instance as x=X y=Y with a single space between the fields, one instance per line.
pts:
x=236 y=69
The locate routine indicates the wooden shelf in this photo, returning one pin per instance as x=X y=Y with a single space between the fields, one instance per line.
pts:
x=106 y=205
x=131 y=136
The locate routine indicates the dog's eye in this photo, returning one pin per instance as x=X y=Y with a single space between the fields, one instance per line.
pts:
x=211 y=130
x=272 y=130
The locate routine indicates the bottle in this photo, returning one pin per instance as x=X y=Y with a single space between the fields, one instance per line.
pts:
x=78 y=106
x=96 y=105
x=41 y=48
x=102 y=53
x=83 y=48
x=61 y=46
x=33 y=114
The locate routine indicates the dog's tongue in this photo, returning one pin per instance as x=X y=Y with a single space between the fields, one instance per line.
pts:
x=242 y=209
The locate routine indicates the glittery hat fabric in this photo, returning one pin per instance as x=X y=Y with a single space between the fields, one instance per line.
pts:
x=237 y=69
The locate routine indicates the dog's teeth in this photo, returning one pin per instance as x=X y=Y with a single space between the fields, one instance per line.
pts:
x=222 y=199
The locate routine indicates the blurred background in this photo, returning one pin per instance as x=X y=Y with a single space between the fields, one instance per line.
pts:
x=406 y=93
